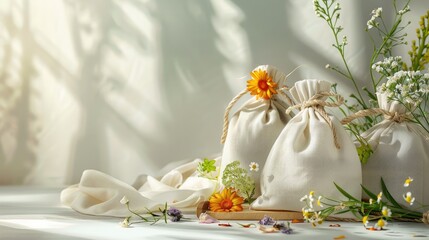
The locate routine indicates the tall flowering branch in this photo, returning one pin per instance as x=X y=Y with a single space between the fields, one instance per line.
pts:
x=329 y=10
x=390 y=37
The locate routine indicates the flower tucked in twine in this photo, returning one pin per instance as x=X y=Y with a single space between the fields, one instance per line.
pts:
x=262 y=86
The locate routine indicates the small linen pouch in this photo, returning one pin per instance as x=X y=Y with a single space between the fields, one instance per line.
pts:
x=400 y=150
x=251 y=132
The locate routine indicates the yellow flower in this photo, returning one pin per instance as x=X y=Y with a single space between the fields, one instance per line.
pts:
x=365 y=221
x=379 y=197
x=371 y=201
x=409 y=198
x=408 y=181
x=319 y=201
x=386 y=211
x=380 y=224
x=261 y=85
x=226 y=201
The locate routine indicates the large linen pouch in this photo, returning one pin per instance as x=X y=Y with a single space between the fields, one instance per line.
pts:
x=311 y=153
x=400 y=150
x=254 y=127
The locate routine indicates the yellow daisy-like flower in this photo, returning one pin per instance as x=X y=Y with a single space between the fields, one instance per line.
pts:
x=226 y=201
x=379 y=196
x=386 y=212
x=408 y=181
x=365 y=221
x=380 y=224
x=261 y=85
x=409 y=198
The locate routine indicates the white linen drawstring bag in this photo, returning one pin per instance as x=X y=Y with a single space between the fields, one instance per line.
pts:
x=311 y=153
x=400 y=150
x=251 y=132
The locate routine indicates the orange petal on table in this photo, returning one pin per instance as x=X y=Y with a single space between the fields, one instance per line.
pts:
x=339 y=237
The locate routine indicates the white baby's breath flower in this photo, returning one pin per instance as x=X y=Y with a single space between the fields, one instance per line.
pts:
x=125 y=223
x=405 y=10
x=254 y=167
x=124 y=200
x=327 y=66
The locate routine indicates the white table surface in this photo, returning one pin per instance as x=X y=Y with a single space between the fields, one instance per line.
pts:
x=36 y=213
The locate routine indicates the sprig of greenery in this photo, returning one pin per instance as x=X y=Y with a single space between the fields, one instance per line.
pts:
x=238 y=178
x=329 y=10
x=150 y=216
x=374 y=209
x=206 y=168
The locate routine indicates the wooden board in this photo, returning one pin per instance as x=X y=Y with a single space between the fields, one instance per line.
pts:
x=248 y=214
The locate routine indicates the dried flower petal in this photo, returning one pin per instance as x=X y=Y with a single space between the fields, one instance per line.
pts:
x=206 y=218
x=268 y=229
x=224 y=225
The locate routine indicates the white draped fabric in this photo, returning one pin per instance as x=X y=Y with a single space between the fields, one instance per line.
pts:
x=139 y=87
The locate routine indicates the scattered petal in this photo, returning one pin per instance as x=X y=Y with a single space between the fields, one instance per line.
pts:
x=297 y=220
x=247 y=225
x=224 y=225
x=339 y=237
x=206 y=218
x=268 y=229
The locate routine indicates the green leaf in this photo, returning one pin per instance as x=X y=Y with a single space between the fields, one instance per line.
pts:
x=388 y=195
x=347 y=195
x=369 y=193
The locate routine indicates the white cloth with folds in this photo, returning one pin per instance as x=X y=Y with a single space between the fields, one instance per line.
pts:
x=100 y=194
x=400 y=150
x=305 y=158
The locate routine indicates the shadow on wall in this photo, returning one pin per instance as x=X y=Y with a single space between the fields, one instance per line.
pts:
x=18 y=136
x=187 y=97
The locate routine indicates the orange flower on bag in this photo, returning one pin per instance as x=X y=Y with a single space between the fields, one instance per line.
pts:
x=261 y=85
x=226 y=201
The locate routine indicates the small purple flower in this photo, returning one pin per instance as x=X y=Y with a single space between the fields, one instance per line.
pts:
x=175 y=214
x=266 y=220
x=286 y=230
x=283 y=228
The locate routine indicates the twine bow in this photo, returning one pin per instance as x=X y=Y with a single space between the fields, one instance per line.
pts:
x=392 y=116
x=319 y=105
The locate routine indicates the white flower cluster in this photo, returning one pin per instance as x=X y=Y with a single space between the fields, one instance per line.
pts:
x=376 y=13
x=404 y=10
x=388 y=66
x=408 y=87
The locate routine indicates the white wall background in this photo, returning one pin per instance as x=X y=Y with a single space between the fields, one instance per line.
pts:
x=127 y=87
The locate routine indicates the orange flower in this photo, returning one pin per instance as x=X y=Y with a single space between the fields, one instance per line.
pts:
x=226 y=201
x=261 y=85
